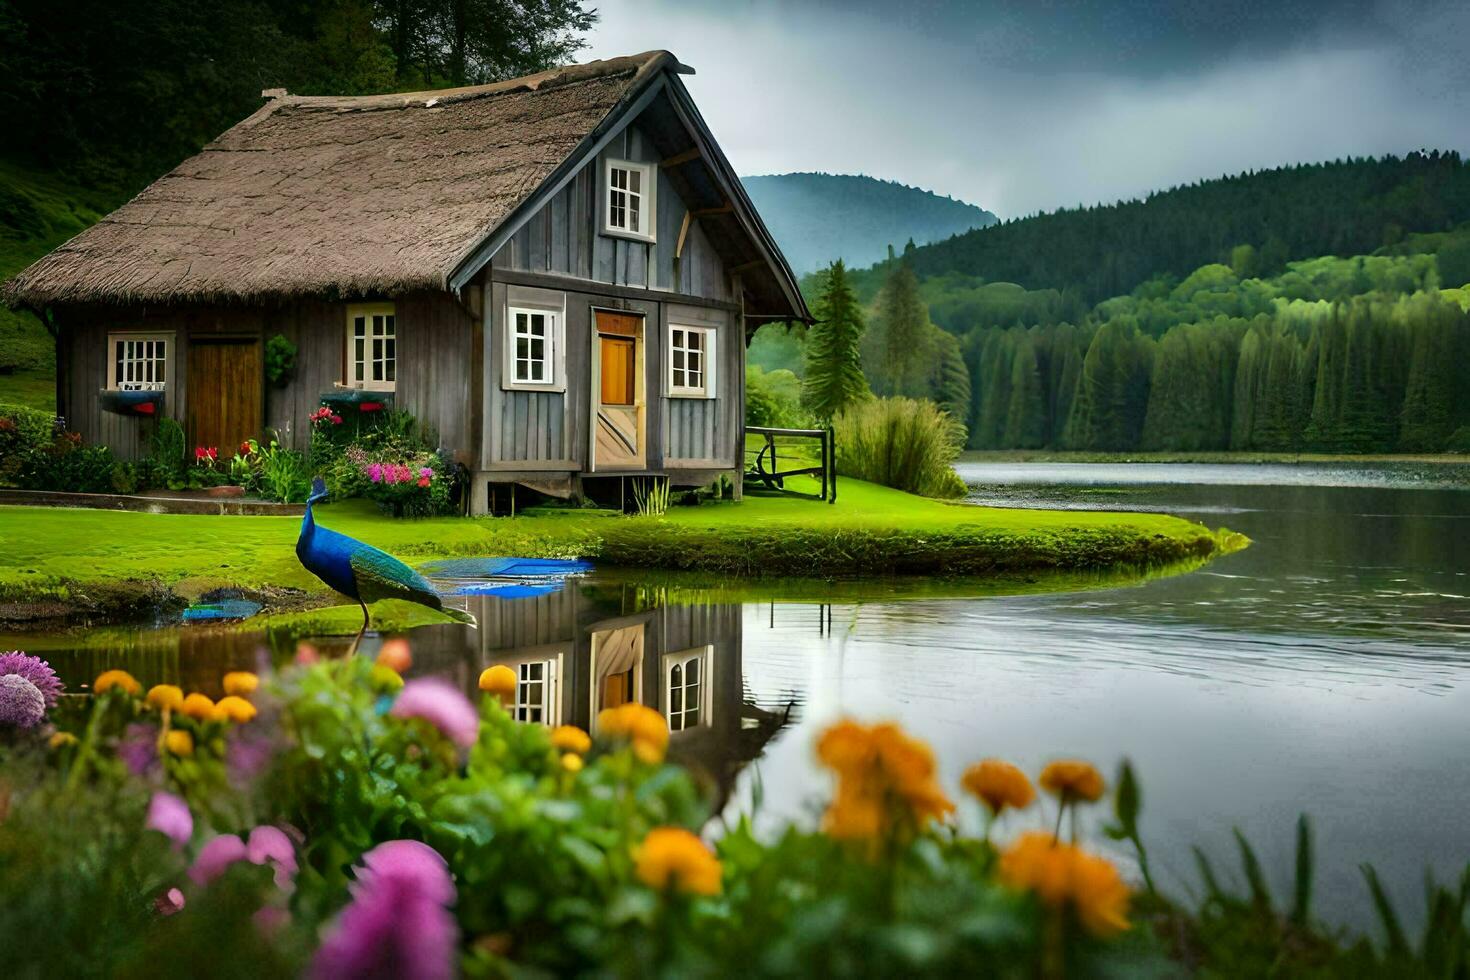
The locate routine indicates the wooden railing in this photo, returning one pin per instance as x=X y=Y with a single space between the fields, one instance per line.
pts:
x=763 y=466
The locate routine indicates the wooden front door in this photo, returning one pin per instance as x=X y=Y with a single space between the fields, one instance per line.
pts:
x=618 y=405
x=225 y=400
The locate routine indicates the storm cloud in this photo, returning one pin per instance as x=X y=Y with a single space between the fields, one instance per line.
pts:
x=1032 y=106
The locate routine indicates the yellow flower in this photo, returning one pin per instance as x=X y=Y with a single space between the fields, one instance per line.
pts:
x=499 y=680
x=673 y=859
x=241 y=683
x=643 y=727
x=572 y=762
x=178 y=742
x=1064 y=875
x=234 y=709
x=165 y=697
x=570 y=738
x=394 y=654
x=386 y=680
x=885 y=781
x=198 y=706
x=120 y=679
x=999 y=785
x=60 y=740
x=1072 y=779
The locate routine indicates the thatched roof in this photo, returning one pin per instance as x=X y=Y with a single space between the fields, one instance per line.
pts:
x=347 y=196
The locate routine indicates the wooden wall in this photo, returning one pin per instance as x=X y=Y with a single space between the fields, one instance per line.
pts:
x=564 y=238
x=434 y=365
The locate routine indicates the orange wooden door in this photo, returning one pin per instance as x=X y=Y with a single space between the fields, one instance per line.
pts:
x=226 y=403
x=617 y=370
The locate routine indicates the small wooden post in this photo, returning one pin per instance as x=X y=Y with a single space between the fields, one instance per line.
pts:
x=832 y=454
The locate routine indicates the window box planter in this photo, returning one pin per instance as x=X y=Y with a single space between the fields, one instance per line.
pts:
x=147 y=404
x=358 y=401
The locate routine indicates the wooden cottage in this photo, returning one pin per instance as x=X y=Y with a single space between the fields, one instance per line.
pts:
x=557 y=273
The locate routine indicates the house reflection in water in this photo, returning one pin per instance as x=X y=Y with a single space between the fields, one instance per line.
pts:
x=593 y=646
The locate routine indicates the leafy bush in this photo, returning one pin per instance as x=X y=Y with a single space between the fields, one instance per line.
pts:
x=280 y=360
x=283 y=474
x=773 y=399
x=387 y=457
x=166 y=447
x=66 y=466
x=24 y=433
x=903 y=443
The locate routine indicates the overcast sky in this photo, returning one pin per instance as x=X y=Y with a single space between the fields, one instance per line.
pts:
x=1042 y=103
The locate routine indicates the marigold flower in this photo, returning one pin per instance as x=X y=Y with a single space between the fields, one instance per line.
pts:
x=673 y=859
x=178 y=742
x=572 y=762
x=120 y=679
x=570 y=738
x=165 y=696
x=644 y=728
x=386 y=680
x=1072 y=779
x=999 y=785
x=1064 y=875
x=61 y=740
x=885 y=779
x=498 y=680
x=241 y=683
x=395 y=655
x=235 y=709
x=198 y=706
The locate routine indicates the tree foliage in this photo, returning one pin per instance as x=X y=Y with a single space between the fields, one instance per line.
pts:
x=834 y=375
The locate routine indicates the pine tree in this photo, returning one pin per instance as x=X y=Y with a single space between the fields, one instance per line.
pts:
x=951 y=377
x=898 y=359
x=834 y=374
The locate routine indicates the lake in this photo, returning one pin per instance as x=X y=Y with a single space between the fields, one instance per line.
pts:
x=1322 y=670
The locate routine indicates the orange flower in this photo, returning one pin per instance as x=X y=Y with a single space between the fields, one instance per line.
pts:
x=241 y=683
x=673 y=859
x=1064 y=875
x=885 y=780
x=999 y=785
x=1072 y=779
x=394 y=654
x=641 y=726
x=499 y=680
x=198 y=706
x=120 y=679
x=570 y=738
x=165 y=696
x=234 y=709
x=178 y=742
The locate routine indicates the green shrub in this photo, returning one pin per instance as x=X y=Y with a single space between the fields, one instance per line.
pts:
x=902 y=443
x=24 y=432
x=280 y=360
x=1459 y=442
x=773 y=399
x=166 y=447
x=69 y=467
x=284 y=475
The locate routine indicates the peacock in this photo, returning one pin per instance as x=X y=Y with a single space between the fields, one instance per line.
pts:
x=360 y=571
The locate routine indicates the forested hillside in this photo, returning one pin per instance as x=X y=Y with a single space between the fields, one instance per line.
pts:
x=818 y=218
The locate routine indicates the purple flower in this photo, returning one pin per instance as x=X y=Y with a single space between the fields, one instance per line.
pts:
x=375 y=472
x=270 y=844
x=398 y=923
x=217 y=854
x=170 y=816
x=138 y=748
x=21 y=703
x=441 y=705
x=425 y=471
x=248 y=751
x=35 y=670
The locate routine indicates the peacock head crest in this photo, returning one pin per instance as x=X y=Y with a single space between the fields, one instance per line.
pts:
x=318 y=491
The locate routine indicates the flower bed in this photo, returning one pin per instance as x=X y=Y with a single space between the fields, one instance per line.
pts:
x=341 y=820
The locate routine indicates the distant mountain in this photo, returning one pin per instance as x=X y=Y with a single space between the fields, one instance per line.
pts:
x=818 y=218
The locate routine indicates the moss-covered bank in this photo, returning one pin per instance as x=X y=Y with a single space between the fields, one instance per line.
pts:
x=100 y=560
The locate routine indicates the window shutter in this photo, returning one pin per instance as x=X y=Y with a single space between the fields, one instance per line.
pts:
x=711 y=362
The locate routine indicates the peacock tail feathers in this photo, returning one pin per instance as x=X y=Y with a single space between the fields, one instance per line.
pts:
x=381 y=576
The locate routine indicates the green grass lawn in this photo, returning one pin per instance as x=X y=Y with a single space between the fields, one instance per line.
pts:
x=870 y=531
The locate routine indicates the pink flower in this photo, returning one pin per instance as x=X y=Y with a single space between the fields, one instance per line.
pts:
x=170 y=816
x=425 y=471
x=270 y=919
x=397 y=923
x=270 y=844
x=441 y=705
x=375 y=472
x=215 y=857
x=169 y=902
x=336 y=420
x=35 y=670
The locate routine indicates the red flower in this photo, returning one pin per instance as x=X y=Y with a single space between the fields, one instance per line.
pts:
x=423 y=481
x=245 y=448
x=336 y=420
x=370 y=407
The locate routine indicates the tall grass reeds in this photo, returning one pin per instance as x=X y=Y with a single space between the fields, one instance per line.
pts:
x=903 y=443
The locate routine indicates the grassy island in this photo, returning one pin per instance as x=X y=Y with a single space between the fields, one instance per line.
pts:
x=102 y=557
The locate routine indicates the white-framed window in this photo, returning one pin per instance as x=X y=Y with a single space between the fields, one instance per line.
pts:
x=138 y=361
x=372 y=347
x=687 y=690
x=691 y=361
x=629 y=199
x=532 y=342
x=536 y=696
